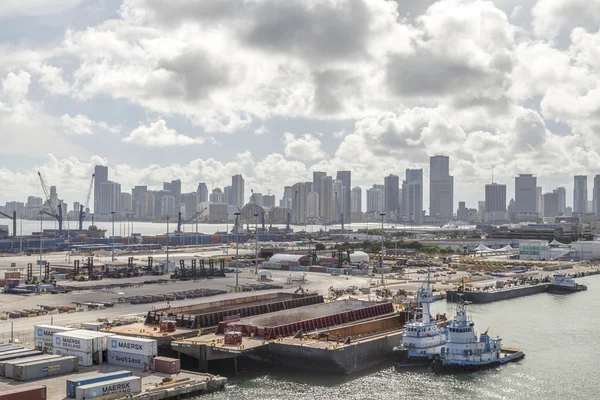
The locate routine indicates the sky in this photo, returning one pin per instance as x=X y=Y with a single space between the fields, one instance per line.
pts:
x=200 y=90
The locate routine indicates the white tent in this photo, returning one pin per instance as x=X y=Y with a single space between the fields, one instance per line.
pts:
x=508 y=247
x=264 y=275
x=358 y=257
x=481 y=247
x=557 y=243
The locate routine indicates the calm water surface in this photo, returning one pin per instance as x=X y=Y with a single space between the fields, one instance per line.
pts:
x=557 y=332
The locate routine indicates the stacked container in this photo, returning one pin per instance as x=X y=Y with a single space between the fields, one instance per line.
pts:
x=87 y=346
x=45 y=368
x=44 y=334
x=131 y=352
x=7 y=367
x=124 y=386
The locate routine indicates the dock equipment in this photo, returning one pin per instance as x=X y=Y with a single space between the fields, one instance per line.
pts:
x=13 y=217
x=53 y=213
x=83 y=207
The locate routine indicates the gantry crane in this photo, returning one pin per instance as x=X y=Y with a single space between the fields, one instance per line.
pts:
x=180 y=222
x=13 y=217
x=53 y=213
x=82 y=208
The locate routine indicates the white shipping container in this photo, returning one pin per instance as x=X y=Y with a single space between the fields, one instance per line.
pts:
x=48 y=331
x=9 y=366
x=101 y=338
x=44 y=345
x=74 y=341
x=84 y=359
x=93 y=326
x=130 y=385
x=133 y=345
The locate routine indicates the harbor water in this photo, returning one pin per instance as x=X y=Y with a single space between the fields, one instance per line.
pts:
x=557 y=332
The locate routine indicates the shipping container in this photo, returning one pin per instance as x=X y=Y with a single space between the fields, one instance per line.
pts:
x=10 y=347
x=75 y=341
x=74 y=383
x=45 y=368
x=37 y=392
x=127 y=386
x=7 y=367
x=93 y=326
x=101 y=338
x=13 y=354
x=48 y=331
x=83 y=359
x=44 y=345
x=129 y=360
x=167 y=365
x=126 y=344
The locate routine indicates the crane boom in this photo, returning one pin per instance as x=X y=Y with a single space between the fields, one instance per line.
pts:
x=52 y=213
x=82 y=208
x=47 y=194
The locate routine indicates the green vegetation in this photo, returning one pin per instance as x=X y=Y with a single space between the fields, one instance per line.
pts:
x=375 y=246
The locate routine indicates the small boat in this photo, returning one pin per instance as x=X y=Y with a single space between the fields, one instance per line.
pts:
x=423 y=337
x=465 y=351
x=564 y=283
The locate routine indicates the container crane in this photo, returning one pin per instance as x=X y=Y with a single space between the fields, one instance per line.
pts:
x=13 y=217
x=82 y=208
x=52 y=213
x=180 y=222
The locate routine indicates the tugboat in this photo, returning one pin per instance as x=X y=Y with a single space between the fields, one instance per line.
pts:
x=423 y=338
x=467 y=352
x=564 y=283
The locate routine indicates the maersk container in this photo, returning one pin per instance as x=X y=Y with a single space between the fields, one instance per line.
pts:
x=48 y=331
x=7 y=368
x=45 y=368
x=102 y=338
x=84 y=359
x=74 y=383
x=44 y=345
x=75 y=341
x=127 y=386
x=129 y=360
x=11 y=355
x=133 y=345
x=32 y=392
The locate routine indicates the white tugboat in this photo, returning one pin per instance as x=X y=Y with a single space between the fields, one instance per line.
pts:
x=423 y=338
x=465 y=351
x=564 y=283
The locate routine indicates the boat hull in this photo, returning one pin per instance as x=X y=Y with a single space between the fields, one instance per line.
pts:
x=441 y=365
x=558 y=289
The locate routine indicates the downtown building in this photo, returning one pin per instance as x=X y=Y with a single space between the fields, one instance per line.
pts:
x=495 y=203
x=391 y=185
x=580 y=195
x=441 y=189
x=412 y=196
x=525 y=205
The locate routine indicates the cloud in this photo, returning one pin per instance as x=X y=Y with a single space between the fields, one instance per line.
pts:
x=551 y=17
x=305 y=147
x=82 y=125
x=31 y=8
x=158 y=135
x=262 y=130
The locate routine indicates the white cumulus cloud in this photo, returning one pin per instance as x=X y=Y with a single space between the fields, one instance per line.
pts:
x=305 y=147
x=158 y=135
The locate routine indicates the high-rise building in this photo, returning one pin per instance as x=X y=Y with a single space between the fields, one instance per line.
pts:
x=126 y=202
x=190 y=204
x=33 y=201
x=525 y=197
x=317 y=178
x=580 y=194
x=110 y=198
x=375 y=199
x=228 y=196
x=313 y=205
x=167 y=206
x=202 y=192
x=346 y=200
x=148 y=208
x=481 y=210
x=338 y=199
x=76 y=207
x=327 y=200
x=300 y=203
x=412 y=196
x=100 y=177
x=595 y=195
x=269 y=200
x=495 y=203
x=217 y=196
x=562 y=200
x=286 y=199
x=237 y=190
x=138 y=194
x=540 y=201
x=391 y=197
x=441 y=188
x=356 y=200
x=552 y=203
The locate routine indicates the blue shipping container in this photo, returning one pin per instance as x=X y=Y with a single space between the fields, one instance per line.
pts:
x=72 y=384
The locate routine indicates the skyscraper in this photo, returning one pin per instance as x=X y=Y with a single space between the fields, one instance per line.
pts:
x=300 y=203
x=562 y=200
x=110 y=198
x=126 y=202
x=237 y=191
x=269 y=200
x=356 y=200
x=441 y=188
x=375 y=199
x=525 y=197
x=540 y=201
x=100 y=176
x=190 y=203
x=596 y=196
x=346 y=178
x=217 y=196
x=228 y=197
x=580 y=194
x=313 y=205
x=286 y=199
x=202 y=192
x=552 y=204
x=137 y=199
x=338 y=200
x=391 y=202
x=495 y=198
x=412 y=196
x=327 y=200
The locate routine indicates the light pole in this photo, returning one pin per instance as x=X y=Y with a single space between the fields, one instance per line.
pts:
x=167 y=242
x=227 y=237
x=381 y=264
x=41 y=240
x=21 y=237
x=113 y=235
x=256 y=244
x=237 y=241
x=68 y=239
x=197 y=228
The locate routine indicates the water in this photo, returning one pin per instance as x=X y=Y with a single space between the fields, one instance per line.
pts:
x=27 y=227
x=557 y=333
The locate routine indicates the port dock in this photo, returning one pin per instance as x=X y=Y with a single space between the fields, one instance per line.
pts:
x=489 y=296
